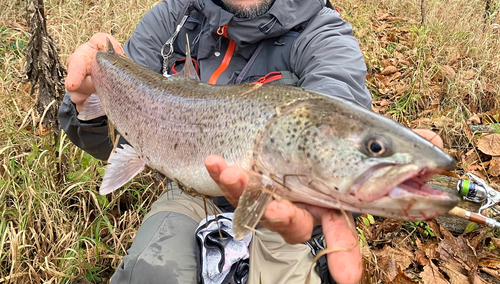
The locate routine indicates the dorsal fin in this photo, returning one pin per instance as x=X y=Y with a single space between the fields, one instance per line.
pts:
x=188 y=71
x=110 y=45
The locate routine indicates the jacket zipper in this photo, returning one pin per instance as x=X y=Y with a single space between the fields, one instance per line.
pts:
x=222 y=31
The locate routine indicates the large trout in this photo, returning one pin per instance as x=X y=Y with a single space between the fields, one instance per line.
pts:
x=297 y=144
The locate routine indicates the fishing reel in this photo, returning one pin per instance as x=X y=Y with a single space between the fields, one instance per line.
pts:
x=478 y=191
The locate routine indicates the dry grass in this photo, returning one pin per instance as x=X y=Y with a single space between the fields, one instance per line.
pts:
x=453 y=62
x=54 y=226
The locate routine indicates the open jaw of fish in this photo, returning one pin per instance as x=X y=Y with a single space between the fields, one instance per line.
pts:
x=296 y=144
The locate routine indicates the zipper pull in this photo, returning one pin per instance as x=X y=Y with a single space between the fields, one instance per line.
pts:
x=218 y=46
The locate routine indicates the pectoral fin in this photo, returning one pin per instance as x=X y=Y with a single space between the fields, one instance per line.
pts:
x=252 y=204
x=92 y=108
x=123 y=165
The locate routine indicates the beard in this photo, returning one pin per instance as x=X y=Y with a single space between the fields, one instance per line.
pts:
x=248 y=11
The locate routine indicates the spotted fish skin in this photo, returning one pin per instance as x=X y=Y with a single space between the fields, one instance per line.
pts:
x=176 y=123
x=296 y=144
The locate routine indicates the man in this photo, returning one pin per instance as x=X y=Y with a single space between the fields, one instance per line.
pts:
x=233 y=41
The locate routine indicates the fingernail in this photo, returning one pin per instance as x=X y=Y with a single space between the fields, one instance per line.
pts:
x=213 y=169
x=234 y=183
x=276 y=220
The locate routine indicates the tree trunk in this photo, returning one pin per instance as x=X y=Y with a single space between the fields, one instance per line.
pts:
x=43 y=68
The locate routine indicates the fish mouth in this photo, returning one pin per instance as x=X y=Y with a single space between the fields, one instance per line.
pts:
x=404 y=189
x=415 y=183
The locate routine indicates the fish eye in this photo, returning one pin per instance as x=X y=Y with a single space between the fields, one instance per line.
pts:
x=376 y=146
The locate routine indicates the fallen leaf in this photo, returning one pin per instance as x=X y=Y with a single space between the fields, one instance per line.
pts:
x=489 y=262
x=421 y=258
x=479 y=238
x=453 y=58
x=431 y=275
x=494 y=169
x=493 y=272
x=448 y=72
x=385 y=102
x=489 y=144
x=474 y=119
x=496 y=242
x=384 y=63
x=455 y=276
x=401 y=278
x=387 y=226
x=469 y=74
x=454 y=270
x=457 y=248
x=471 y=161
x=480 y=173
x=434 y=226
x=468 y=132
x=475 y=277
x=430 y=249
x=389 y=70
x=390 y=261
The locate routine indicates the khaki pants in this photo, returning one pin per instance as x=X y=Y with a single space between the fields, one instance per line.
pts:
x=164 y=248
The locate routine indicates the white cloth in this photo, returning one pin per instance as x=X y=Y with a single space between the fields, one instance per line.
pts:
x=219 y=255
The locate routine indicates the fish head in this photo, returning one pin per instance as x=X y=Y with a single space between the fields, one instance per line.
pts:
x=344 y=155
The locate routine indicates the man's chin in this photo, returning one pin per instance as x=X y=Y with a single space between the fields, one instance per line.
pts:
x=250 y=9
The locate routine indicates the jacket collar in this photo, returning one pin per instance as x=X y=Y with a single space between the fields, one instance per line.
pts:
x=282 y=16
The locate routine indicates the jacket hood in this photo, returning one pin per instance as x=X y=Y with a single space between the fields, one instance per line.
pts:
x=281 y=18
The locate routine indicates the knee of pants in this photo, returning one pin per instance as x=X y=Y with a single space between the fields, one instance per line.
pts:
x=163 y=251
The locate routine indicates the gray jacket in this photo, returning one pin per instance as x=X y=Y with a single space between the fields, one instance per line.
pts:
x=325 y=56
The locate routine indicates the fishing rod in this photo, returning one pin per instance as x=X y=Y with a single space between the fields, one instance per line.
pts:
x=478 y=191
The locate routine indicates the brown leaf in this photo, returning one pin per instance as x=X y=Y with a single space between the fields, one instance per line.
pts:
x=489 y=144
x=475 y=277
x=489 y=262
x=450 y=266
x=384 y=17
x=384 y=63
x=479 y=238
x=456 y=277
x=471 y=161
x=389 y=70
x=493 y=272
x=453 y=58
x=494 y=169
x=385 y=102
x=401 y=278
x=480 y=173
x=388 y=225
x=447 y=72
x=457 y=248
x=390 y=260
x=430 y=249
x=431 y=275
x=421 y=258
x=474 y=119
x=434 y=226
x=468 y=132
x=469 y=74
x=496 y=242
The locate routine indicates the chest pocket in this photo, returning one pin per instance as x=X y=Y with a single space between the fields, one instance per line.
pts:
x=270 y=62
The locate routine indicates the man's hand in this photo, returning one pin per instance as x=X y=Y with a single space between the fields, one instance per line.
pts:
x=296 y=223
x=78 y=82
